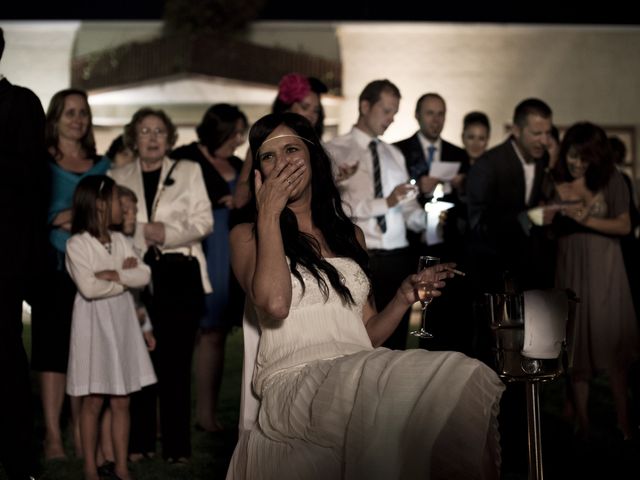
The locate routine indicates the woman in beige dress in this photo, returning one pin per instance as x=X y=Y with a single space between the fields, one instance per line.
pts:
x=594 y=216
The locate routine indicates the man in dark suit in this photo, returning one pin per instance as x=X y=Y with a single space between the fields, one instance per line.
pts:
x=449 y=316
x=426 y=147
x=501 y=186
x=23 y=187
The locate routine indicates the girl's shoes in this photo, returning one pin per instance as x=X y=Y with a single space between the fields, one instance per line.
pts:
x=107 y=469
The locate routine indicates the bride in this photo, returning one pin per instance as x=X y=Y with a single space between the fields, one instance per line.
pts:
x=332 y=405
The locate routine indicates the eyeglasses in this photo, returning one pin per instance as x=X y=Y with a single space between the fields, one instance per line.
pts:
x=147 y=132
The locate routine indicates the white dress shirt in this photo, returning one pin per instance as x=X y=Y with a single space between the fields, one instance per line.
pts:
x=529 y=170
x=437 y=154
x=358 y=192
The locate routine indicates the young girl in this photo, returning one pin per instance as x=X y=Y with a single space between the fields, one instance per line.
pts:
x=107 y=355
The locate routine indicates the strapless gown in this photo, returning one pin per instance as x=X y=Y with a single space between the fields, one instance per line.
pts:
x=334 y=407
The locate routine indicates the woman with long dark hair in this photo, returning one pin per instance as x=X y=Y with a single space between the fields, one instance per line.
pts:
x=332 y=405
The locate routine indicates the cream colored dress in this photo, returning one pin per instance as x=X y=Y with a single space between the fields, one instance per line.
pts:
x=107 y=353
x=334 y=407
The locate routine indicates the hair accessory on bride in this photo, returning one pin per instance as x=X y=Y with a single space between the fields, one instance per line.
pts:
x=286 y=135
x=293 y=87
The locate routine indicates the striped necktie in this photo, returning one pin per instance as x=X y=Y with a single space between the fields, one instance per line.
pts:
x=377 y=182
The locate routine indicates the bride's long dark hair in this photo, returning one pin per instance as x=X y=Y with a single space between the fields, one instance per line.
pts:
x=326 y=210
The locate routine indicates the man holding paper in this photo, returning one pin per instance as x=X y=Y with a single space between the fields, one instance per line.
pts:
x=433 y=162
x=430 y=159
x=378 y=196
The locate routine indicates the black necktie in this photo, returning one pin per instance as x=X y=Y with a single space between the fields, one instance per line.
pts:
x=377 y=182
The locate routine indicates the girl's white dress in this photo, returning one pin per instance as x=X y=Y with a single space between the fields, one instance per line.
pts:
x=107 y=352
x=333 y=407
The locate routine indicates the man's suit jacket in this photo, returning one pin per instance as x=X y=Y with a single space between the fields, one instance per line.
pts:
x=24 y=182
x=24 y=185
x=416 y=161
x=497 y=208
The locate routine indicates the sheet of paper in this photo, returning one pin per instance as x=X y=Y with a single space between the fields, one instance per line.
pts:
x=445 y=171
x=433 y=234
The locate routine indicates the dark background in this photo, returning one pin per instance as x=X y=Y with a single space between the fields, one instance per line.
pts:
x=614 y=13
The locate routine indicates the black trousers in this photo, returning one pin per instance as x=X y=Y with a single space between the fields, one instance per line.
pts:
x=143 y=407
x=175 y=331
x=389 y=268
x=16 y=414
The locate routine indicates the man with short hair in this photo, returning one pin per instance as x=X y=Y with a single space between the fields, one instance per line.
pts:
x=507 y=253
x=23 y=187
x=424 y=152
x=426 y=147
x=501 y=186
x=378 y=196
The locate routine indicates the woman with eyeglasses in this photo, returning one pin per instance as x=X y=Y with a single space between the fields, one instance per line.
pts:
x=72 y=156
x=174 y=215
x=221 y=131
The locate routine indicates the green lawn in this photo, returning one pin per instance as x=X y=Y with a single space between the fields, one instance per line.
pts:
x=606 y=456
x=211 y=452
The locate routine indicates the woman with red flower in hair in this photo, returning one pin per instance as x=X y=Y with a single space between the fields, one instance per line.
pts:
x=297 y=94
x=301 y=95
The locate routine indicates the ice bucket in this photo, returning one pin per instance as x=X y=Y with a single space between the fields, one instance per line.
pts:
x=506 y=315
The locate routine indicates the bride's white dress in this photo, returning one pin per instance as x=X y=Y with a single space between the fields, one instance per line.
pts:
x=334 y=407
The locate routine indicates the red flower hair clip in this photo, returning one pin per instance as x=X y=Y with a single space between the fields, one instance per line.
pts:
x=293 y=87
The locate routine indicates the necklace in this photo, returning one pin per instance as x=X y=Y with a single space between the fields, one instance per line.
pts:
x=107 y=245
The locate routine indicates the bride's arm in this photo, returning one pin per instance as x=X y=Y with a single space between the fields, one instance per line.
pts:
x=259 y=262
x=260 y=265
x=380 y=325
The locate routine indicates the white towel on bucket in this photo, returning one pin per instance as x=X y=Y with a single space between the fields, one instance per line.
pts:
x=545 y=319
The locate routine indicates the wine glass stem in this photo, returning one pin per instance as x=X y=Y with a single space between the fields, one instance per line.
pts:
x=424 y=318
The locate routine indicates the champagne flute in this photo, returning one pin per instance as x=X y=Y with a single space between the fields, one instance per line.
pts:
x=423 y=291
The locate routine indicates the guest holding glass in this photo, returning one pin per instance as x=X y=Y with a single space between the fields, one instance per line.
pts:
x=221 y=131
x=174 y=215
x=333 y=405
x=72 y=156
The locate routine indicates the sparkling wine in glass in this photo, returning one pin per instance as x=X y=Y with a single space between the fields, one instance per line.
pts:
x=423 y=292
